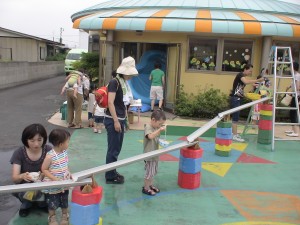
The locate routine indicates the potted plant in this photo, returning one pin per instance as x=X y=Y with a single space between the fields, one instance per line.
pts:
x=203 y=66
x=212 y=66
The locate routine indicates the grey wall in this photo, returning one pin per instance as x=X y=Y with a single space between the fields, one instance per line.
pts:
x=15 y=73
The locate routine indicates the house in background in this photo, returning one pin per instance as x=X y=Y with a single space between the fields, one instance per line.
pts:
x=20 y=47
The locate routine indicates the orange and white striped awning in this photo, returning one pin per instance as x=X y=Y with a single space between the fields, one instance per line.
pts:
x=192 y=20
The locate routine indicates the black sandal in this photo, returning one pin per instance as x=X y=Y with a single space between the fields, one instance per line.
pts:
x=155 y=189
x=148 y=192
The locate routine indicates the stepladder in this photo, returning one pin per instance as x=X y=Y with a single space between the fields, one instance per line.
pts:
x=286 y=81
x=261 y=89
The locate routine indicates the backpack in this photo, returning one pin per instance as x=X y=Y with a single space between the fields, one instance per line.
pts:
x=101 y=95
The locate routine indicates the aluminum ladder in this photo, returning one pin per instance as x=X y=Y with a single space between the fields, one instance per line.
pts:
x=280 y=61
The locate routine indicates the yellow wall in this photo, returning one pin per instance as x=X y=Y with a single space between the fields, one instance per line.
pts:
x=194 y=80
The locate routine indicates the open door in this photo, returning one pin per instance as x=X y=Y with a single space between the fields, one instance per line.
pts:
x=172 y=76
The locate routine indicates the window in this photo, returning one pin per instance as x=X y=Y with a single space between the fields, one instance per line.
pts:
x=295 y=47
x=202 y=54
x=236 y=54
x=42 y=53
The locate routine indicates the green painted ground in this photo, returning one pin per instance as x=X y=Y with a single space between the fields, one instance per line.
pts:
x=247 y=192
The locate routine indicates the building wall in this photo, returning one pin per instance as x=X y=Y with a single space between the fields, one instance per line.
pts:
x=16 y=73
x=192 y=80
x=21 y=49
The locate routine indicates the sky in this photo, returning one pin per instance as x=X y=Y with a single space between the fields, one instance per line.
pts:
x=45 y=19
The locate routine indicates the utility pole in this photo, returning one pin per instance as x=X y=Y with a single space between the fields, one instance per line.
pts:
x=60 y=39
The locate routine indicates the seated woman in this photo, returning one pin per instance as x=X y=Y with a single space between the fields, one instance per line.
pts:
x=27 y=159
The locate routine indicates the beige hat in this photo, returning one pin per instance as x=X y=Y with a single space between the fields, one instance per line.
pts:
x=127 y=67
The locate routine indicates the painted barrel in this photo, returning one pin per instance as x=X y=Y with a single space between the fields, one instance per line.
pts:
x=190 y=164
x=85 y=207
x=265 y=124
x=223 y=139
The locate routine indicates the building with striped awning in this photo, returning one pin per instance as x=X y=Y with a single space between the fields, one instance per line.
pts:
x=205 y=42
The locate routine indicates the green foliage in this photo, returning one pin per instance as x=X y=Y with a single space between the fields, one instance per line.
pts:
x=206 y=104
x=57 y=57
x=90 y=63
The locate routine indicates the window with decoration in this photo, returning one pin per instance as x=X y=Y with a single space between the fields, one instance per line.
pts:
x=236 y=54
x=203 y=54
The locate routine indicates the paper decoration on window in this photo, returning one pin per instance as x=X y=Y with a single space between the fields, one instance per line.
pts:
x=195 y=49
x=246 y=50
x=235 y=51
x=243 y=54
x=226 y=52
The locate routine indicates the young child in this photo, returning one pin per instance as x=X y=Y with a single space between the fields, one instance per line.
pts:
x=99 y=114
x=151 y=136
x=55 y=168
x=91 y=104
x=73 y=81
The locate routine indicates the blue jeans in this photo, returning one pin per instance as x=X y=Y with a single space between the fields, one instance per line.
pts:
x=235 y=102
x=114 y=142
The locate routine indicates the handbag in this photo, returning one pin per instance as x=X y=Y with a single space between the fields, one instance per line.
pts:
x=286 y=101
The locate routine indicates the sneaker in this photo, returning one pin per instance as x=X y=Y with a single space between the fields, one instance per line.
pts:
x=99 y=132
x=117 y=180
x=289 y=131
x=95 y=131
x=64 y=219
x=293 y=135
x=52 y=220
x=23 y=212
x=237 y=138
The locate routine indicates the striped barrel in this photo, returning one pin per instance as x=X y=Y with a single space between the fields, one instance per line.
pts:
x=190 y=164
x=265 y=124
x=223 y=138
x=85 y=207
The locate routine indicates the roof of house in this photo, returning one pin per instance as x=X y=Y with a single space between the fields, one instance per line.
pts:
x=16 y=34
x=251 y=17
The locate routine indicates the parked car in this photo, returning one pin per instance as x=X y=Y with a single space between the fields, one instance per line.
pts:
x=73 y=56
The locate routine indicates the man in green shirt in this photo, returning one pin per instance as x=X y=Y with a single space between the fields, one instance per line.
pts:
x=157 y=77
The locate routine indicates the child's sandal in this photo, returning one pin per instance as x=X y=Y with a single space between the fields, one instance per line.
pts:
x=155 y=189
x=148 y=192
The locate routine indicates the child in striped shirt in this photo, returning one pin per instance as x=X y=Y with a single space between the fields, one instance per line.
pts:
x=55 y=168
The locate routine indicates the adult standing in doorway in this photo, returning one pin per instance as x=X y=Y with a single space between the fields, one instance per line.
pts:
x=236 y=96
x=157 y=77
x=115 y=116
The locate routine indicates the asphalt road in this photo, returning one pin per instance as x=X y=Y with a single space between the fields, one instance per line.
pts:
x=20 y=106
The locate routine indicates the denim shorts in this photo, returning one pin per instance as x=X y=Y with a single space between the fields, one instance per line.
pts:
x=235 y=102
x=90 y=116
x=98 y=119
x=54 y=201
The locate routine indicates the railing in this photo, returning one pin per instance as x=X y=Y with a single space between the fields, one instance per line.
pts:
x=79 y=178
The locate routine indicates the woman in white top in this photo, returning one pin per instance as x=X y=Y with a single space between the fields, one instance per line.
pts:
x=293 y=113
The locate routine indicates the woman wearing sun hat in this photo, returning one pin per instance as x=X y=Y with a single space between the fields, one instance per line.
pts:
x=115 y=116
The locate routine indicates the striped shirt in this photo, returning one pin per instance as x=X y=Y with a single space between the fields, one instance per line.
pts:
x=59 y=168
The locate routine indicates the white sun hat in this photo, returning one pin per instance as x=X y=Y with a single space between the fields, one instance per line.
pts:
x=127 y=67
